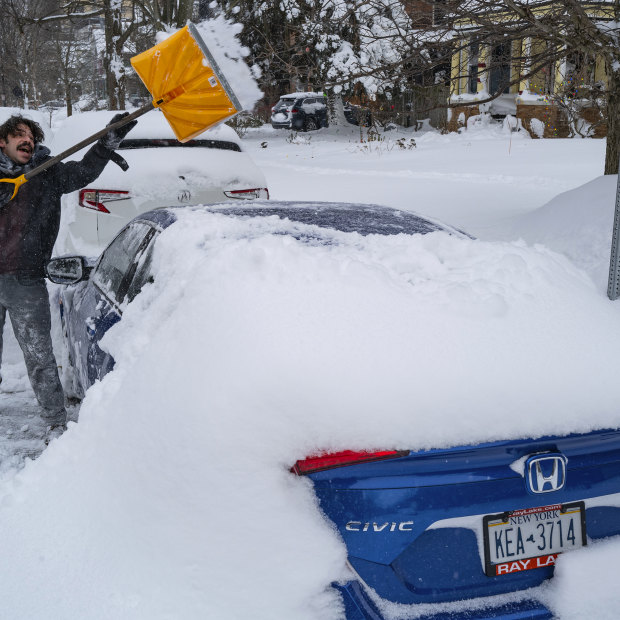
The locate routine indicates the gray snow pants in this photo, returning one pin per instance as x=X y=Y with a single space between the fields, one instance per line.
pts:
x=27 y=303
x=2 y=322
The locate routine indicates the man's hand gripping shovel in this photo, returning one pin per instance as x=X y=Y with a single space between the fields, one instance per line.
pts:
x=186 y=85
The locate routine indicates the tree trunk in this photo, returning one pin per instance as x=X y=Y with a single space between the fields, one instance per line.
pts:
x=113 y=61
x=67 y=87
x=69 y=102
x=335 y=110
x=184 y=12
x=613 y=121
x=174 y=12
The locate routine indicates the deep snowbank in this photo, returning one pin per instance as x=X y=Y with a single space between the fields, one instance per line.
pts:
x=578 y=223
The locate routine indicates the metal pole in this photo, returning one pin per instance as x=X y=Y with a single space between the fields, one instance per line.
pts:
x=613 y=285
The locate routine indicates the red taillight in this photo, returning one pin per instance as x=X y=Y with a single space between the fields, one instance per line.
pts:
x=95 y=198
x=248 y=194
x=294 y=111
x=343 y=459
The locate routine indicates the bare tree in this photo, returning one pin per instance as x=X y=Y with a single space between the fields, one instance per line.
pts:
x=117 y=31
x=71 y=47
x=45 y=29
x=122 y=21
x=22 y=43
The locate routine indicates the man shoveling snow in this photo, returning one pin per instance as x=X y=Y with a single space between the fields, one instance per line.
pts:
x=29 y=225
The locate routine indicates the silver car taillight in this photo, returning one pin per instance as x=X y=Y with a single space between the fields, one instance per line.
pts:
x=95 y=198
x=248 y=194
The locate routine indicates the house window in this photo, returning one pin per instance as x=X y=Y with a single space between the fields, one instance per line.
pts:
x=474 y=50
x=440 y=12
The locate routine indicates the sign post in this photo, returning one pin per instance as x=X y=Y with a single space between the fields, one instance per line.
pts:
x=613 y=285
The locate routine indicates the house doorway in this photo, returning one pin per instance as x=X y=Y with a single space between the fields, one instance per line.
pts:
x=499 y=78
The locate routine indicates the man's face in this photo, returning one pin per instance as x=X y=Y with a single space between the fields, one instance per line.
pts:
x=20 y=145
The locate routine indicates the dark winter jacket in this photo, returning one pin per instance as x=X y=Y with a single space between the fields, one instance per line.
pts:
x=29 y=223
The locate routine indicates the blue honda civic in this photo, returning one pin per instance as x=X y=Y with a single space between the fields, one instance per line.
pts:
x=420 y=528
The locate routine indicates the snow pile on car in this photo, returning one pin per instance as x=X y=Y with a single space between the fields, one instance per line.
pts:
x=172 y=497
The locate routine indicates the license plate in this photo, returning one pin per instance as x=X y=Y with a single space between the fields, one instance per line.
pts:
x=532 y=538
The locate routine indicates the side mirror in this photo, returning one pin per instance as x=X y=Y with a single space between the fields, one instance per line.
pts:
x=68 y=270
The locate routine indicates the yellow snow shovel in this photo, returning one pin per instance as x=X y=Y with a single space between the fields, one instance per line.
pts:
x=186 y=84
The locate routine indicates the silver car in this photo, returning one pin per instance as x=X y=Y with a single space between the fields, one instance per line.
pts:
x=210 y=169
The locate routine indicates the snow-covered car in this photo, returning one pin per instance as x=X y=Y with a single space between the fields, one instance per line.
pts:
x=357 y=114
x=308 y=111
x=91 y=307
x=475 y=526
x=55 y=104
x=211 y=168
x=300 y=111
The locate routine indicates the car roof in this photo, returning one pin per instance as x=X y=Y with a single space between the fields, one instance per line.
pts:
x=301 y=94
x=364 y=219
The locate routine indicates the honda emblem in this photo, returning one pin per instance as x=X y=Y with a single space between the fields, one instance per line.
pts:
x=545 y=473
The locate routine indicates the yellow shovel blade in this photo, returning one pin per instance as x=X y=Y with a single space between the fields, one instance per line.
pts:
x=186 y=83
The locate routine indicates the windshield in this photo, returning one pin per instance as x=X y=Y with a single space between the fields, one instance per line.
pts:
x=284 y=104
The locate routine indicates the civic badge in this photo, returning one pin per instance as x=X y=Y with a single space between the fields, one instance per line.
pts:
x=184 y=195
x=545 y=473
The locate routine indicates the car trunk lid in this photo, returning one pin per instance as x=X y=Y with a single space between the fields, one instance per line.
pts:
x=414 y=526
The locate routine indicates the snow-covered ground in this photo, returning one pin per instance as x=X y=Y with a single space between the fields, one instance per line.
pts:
x=478 y=181
x=171 y=497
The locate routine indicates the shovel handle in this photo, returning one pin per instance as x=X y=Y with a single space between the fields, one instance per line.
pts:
x=19 y=181
x=80 y=145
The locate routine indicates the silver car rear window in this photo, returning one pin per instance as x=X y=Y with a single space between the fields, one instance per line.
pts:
x=149 y=143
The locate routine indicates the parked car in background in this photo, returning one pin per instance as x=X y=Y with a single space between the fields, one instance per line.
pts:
x=308 y=112
x=300 y=111
x=426 y=527
x=54 y=104
x=357 y=115
x=212 y=168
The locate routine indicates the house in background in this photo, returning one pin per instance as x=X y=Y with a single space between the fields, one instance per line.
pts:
x=552 y=93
